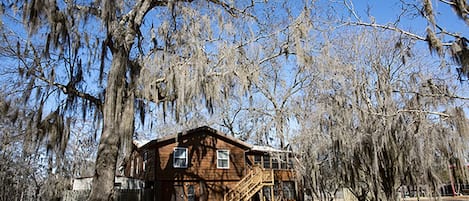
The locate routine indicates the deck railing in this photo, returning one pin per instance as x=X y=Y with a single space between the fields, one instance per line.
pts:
x=254 y=181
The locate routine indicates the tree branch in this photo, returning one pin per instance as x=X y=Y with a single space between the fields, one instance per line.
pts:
x=349 y=5
x=452 y=3
x=231 y=10
x=432 y=95
x=67 y=89
x=392 y=28
x=411 y=111
x=85 y=9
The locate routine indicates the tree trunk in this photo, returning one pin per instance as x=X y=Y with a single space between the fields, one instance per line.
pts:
x=105 y=170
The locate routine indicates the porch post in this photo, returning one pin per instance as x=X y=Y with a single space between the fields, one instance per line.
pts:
x=261 y=196
x=272 y=192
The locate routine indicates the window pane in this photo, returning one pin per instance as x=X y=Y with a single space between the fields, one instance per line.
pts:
x=274 y=163
x=180 y=162
x=276 y=190
x=283 y=160
x=223 y=154
x=284 y=165
x=289 y=190
x=266 y=161
x=180 y=153
x=145 y=160
x=222 y=163
x=267 y=192
x=290 y=163
x=257 y=159
x=190 y=193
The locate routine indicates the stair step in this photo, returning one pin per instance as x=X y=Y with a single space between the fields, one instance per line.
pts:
x=254 y=181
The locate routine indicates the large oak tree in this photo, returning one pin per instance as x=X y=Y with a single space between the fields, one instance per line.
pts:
x=114 y=61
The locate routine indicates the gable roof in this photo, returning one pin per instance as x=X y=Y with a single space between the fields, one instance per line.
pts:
x=208 y=130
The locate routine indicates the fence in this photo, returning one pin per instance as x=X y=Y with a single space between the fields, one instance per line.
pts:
x=120 y=194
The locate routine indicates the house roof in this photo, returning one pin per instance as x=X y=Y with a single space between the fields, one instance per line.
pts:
x=258 y=148
x=207 y=129
x=140 y=143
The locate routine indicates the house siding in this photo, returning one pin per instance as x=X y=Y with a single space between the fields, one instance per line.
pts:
x=210 y=182
x=204 y=190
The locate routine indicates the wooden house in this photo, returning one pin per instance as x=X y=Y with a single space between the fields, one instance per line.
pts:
x=204 y=164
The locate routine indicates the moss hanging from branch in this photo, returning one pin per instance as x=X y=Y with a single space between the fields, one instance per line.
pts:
x=434 y=43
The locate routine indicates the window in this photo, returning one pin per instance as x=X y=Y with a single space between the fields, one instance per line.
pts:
x=275 y=163
x=132 y=168
x=145 y=160
x=223 y=159
x=137 y=166
x=284 y=165
x=290 y=163
x=190 y=193
x=277 y=190
x=258 y=159
x=289 y=190
x=267 y=192
x=180 y=157
x=284 y=158
x=266 y=160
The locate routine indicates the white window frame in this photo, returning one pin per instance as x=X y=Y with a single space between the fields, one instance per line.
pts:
x=132 y=167
x=220 y=158
x=175 y=165
x=137 y=166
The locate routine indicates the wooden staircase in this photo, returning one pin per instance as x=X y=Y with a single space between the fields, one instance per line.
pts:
x=254 y=181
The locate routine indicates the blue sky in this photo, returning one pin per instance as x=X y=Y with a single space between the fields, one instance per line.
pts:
x=386 y=11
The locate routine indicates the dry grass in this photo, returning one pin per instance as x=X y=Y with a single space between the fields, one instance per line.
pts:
x=448 y=198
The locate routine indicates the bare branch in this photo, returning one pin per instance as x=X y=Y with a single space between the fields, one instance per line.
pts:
x=448 y=2
x=412 y=35
x=392 y=28
x=67 y=89
x=411 y=111
x=351 y=9
x=233 y=11
x=452 y=3
x=433 y=95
